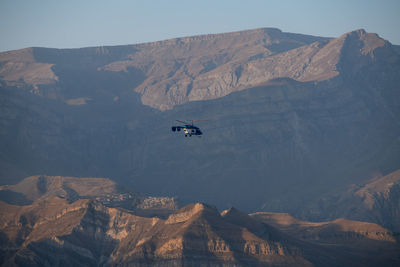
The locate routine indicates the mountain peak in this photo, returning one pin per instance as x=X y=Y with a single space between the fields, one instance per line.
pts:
x=185 y=69
x=233 y=213
x=360 y=31
x=190 y=211
x=53 y=227
x=363 y=41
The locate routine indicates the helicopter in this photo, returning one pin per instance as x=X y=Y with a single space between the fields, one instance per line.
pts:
x=188 y=128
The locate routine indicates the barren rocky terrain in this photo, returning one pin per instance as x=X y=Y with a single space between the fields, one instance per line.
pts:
x=295 y=123
x=55 y=231
x=376 y=201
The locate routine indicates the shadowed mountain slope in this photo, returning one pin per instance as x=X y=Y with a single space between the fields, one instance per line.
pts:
x=176 y=71
x=376 y=201
x=165 y=73
x=291 y=117
x=339 y=242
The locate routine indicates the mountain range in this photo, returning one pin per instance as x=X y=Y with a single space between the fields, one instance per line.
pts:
x=52 y=230
x=295 y=123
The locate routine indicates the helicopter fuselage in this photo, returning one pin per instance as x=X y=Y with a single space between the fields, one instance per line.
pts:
x=188 y=129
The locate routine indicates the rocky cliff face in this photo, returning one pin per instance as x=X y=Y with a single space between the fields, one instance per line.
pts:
x=41 y=187
x=197 y=235
x=52 y=231
x=176 y=71
x=340 y=239
x=376 y=201
x=291 y=117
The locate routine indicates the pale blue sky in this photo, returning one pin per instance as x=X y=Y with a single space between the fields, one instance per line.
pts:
x=82 y=23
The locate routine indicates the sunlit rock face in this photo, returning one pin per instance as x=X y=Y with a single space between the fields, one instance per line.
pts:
x=55 y=230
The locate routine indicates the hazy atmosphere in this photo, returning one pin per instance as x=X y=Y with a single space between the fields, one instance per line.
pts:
x=73 y=24
x=199 y=133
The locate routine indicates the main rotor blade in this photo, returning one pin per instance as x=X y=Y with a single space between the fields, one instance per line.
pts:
x=184 y=122
x=199 y=120
x=189 y=123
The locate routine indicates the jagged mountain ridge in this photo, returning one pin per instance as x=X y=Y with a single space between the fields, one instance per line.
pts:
x=352 y=237
x=105 y=191
x=116 y=236
x=52 y=231
x=175 y=71
x=335 y=230
x=278 y=145
x=167 y=72
x=376 y=201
